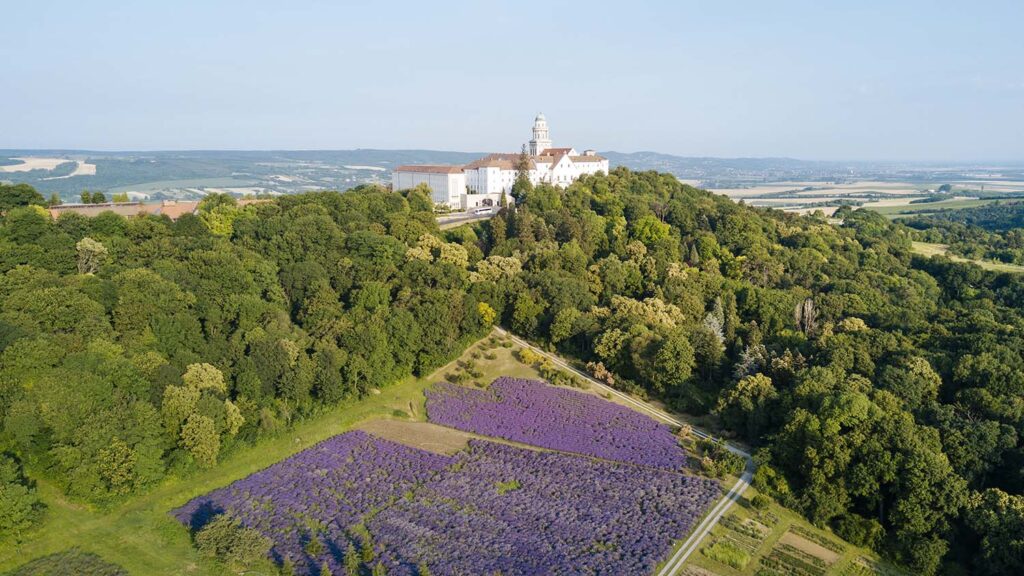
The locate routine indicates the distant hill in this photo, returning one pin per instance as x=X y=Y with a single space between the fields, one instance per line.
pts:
x=188 y=174
x=728 y=170
x=191 y=174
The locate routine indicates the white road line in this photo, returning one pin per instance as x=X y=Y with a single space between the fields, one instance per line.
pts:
x=689 y=545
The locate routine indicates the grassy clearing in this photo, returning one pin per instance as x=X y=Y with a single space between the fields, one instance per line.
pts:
x=141 y=536
x=930 y=249
x=778 y=541
x=725 y=552
x=925 y=208
x=69 y=562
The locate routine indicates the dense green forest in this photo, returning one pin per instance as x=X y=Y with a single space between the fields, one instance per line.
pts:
x=884 y=392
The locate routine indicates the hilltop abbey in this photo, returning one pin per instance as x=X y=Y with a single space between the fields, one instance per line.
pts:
x=481 y=182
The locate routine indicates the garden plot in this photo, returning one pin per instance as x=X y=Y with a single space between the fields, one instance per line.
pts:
x=802 y=552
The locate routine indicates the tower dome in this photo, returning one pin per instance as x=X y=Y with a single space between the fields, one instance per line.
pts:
x=541 y=139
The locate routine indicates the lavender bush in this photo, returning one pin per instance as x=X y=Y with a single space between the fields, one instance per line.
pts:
x=535 y=413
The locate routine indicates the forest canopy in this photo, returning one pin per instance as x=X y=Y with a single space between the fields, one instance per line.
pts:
x=882 y=391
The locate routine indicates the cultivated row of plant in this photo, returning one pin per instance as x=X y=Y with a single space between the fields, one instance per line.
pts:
x=535 y=413
x=359 y=502
x=308 y=503
x=509 y=510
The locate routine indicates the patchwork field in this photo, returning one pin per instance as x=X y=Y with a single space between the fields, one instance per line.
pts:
x=81 y=169
x=28 y=163
x=924 y=208
x=889 y=198
x=931 y=249
x=197 y=183
x=776 y=542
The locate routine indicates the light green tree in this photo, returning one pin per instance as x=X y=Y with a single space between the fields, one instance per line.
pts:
x=199 y=436
x=91 y=254
x=204 y=377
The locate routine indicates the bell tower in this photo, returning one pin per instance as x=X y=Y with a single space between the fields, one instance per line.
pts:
x=541 y=140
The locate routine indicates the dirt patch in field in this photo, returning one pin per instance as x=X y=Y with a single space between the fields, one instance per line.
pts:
x=423 y=435
x=697 y=571
x=82 y=169
x=33 y=163
x=804 y=545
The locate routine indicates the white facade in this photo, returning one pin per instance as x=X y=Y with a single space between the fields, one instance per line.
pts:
x=472 y=201
x=447 y=183
x=496 y=173
x=481 y=182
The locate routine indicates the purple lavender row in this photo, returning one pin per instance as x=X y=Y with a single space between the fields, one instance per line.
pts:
x=324 y=490
x=557 y=514
x=536 y=413
x=491 y=508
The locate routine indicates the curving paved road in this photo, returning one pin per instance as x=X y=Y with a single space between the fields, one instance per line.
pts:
x=448 y=220
x=675 y=562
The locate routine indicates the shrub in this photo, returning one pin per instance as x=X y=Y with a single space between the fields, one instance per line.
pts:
x=529 y=357
x=718 y=461
x=508 y=486
x=71 y=561
x=725 y=552
x=859 y=530
x=601 y=373
x=224 y=537
x=760 y=502
x=20 y=506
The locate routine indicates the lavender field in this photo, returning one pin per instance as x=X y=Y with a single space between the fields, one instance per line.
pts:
x=321 y=492
x=568 y=515
x=489 y=509
x=536 y=413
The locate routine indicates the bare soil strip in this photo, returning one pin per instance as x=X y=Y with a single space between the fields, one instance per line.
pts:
x=422 y=435
x=813 y=548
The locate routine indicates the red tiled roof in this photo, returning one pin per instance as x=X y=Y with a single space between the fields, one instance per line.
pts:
x=173 y=209
x=504 y=161
x=177 y=209
x=430 y=168
x=507 y=161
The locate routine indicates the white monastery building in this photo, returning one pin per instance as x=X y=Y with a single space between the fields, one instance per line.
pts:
x=481 y=182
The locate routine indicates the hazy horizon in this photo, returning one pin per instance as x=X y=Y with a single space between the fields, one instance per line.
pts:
x=914 y=83
x=1003 y=163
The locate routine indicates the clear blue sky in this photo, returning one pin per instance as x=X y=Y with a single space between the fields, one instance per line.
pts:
x=865 y=79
